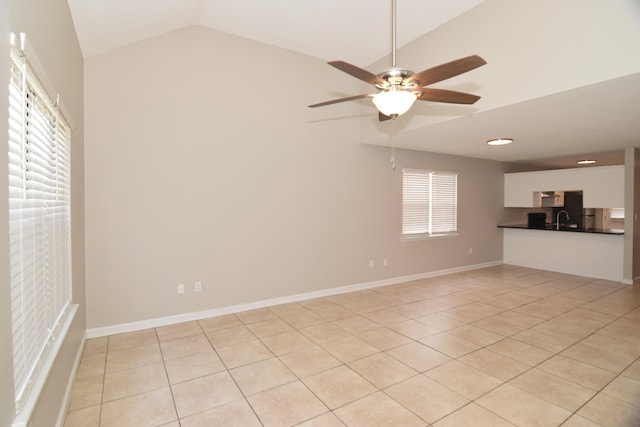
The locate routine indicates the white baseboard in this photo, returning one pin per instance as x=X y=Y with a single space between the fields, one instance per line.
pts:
x=187 y=317
x=66 y=400
x=631 y=281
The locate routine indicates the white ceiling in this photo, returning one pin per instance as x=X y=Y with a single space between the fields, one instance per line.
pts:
x=357 y=31
x=597 y=118
x=550 y=132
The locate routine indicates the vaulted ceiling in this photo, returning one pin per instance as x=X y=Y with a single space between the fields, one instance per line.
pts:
x=563 y=78
x=357 y=30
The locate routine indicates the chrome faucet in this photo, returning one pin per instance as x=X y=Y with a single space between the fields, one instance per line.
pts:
x=558 y=218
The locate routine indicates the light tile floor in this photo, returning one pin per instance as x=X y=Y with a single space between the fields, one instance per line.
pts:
x=500 y=346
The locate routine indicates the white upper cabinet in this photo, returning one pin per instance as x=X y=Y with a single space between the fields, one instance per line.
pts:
x=602 y=186
x=519 y=189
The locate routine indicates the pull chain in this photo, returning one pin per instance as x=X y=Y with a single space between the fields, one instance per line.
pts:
x=393 y=148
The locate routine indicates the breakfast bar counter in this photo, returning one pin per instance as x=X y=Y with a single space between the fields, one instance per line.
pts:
x=552 y=227
x=593 y=253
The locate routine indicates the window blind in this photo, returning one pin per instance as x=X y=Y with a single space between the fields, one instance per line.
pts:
x=39 y=222
x=429 y=203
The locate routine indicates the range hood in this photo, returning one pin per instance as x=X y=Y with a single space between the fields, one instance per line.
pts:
x=548 y=199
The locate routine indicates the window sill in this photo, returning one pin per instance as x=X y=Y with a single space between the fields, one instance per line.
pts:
x=24 y=415
x=418 y=237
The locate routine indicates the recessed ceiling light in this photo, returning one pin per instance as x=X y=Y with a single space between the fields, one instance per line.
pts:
x=585 y=162
x=500 y=141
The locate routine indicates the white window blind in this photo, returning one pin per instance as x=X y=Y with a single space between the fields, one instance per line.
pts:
x=429 y=203
x=39 y=222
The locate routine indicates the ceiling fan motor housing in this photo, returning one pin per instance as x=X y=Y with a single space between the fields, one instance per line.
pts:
x=396 y=77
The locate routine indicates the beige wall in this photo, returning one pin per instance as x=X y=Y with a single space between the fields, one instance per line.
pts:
x=632 y=212
x=636 y=214
x=50 y=32
x=203 y=163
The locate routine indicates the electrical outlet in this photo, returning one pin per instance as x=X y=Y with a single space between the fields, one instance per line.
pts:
x=385 y=262
x=181 y=288
x=198 y=286
x=470 y=251
x=371 y=263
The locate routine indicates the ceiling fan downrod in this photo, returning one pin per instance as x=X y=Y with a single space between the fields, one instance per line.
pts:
x=393 y=33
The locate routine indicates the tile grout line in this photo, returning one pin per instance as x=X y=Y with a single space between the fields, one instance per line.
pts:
x=228 y=371
x=166 y=372
x=374 y=297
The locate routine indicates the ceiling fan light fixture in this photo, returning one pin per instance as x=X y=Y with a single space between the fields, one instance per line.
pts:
x=399 y=88
x=500 y=141
x=394 y=103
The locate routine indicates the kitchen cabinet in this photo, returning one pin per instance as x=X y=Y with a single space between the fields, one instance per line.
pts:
x=602 y=186
x=519 y=189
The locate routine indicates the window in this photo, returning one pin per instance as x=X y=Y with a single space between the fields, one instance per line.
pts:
x=39 y=223
x=429 y=203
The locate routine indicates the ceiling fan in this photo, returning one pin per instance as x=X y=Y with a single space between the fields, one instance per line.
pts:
x=398 y=88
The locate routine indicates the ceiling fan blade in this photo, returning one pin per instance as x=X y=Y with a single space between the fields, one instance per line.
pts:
x=348 y=98
x=358 y=73
x=446 y=71
x=449 y=96
x=382 y=117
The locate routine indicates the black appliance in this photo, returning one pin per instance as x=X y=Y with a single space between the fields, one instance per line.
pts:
x=537 y=220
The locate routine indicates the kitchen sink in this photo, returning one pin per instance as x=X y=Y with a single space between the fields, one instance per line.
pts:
x=570 y=227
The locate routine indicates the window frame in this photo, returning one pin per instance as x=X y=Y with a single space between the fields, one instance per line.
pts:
x=422 y=204
x=40 y=198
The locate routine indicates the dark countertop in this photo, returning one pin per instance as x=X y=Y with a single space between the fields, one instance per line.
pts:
x=550 y=227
